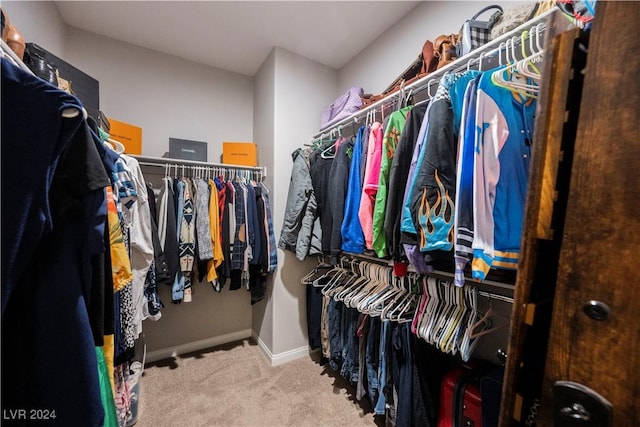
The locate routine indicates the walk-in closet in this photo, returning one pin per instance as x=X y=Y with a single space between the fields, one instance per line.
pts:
x=322 y=213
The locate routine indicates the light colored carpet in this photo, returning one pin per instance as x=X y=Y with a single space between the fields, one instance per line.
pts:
x=234 y=385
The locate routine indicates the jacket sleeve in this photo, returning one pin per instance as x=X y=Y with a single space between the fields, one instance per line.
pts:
x=305 y=235
x=463 y=219
x=398 y=177
x=300 y=191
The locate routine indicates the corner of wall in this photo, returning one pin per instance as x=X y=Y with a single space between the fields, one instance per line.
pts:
x=284 y=357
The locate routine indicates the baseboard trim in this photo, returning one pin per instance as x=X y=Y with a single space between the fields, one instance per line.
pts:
x=169 y=352
x=284 y=357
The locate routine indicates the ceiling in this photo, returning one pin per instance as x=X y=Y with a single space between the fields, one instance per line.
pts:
x=238 y=35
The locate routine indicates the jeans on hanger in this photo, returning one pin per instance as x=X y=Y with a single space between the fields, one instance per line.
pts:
x=362 y=332
x=335 y=336
x=385 y=335
x=324 y=328
x=372 y=358
x=314 y=316
x=350 y=348
x=402 y=373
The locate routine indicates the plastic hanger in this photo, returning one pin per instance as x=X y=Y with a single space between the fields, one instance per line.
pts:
x=388 y=309
x=447 y=344
x=378 y=287
x=386 y=296
x=327 y=153
x=484 y=325
x=401 y=93
x=436 y=306
x=450 y=318
x=118 y=146
x=422 y=321
x=432 y=307
x=508 y=77
x=423 y=303
x=443 y=315
x=333 y=283
x=468 y=345
x=372 y=284
x=310 y=277
x=407 y=309
x=401 y=301
x=362 y=300
x=349 y=279
x=360 y=284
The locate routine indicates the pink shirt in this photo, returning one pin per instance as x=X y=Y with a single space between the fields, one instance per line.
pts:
x=370 y=184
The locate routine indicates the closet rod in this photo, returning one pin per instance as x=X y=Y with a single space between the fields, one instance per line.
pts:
x=496 y=296
x=162 y=161
x=473 y=282
x=459 y=64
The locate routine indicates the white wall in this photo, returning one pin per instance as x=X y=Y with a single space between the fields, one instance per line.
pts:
x=390 y=54
x=39 y=22
x=165 y=95
x=302 y=89
x=263 y=133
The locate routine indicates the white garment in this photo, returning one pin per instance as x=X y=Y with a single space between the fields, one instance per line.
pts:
x=162 y=212
x=140 y=241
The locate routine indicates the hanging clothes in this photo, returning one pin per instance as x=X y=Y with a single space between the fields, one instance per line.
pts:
x=253 y=225
x=213 y=235
x=203 y=214
x=301 y=209
x=240 y=239
x=167 y=227
x=352 y=235
x=392 y=132
x=221 y=238
x=48 y=254
x=187 y=239
x=370 y=183
x=246 y=256
x=434 y=192
x=140 y=239
x=271 y=241
x=463 y=225
x=178 y=283
x=398 y=176
x=501 y=171
x=338 y=180
x=409 y=233
x=320 y=163
x=225 y=197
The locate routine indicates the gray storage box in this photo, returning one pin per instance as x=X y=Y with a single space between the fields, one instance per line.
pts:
x=187 y=150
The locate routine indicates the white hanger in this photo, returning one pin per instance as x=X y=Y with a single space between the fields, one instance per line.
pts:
x=468 y=343
x=443 y=315
x=432 y=307
x=447 y=344
x=118 y=146
x=424 y=298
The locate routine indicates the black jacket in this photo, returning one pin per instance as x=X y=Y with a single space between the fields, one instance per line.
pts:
x=338 y=182
x=398 y=176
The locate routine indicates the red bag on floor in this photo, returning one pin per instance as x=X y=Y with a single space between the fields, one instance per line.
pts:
x=460 y=400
